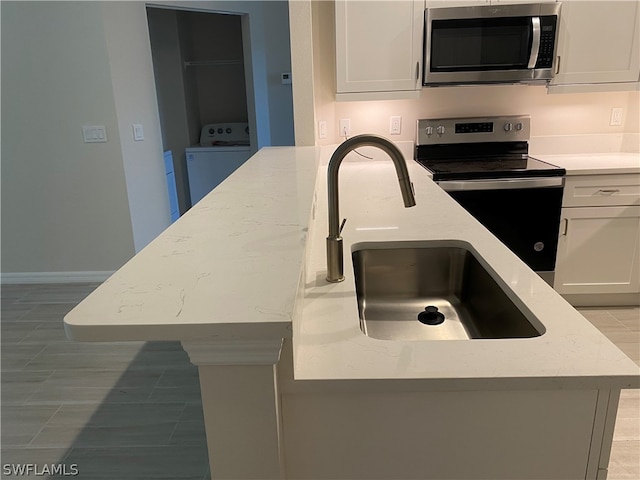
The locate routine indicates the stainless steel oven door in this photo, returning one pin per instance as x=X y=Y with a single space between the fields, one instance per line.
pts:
x=523 y=213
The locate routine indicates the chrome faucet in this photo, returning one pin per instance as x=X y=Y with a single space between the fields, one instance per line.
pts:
x=335 y=264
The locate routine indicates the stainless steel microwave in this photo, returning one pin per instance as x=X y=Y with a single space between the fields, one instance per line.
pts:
x=490 y=44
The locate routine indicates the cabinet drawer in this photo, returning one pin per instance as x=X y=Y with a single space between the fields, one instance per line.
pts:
x=601 y=190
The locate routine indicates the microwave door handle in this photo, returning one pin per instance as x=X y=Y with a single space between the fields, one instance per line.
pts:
x=535 y=44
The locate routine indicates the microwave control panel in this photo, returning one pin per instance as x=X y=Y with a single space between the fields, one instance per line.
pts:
x=548 y=30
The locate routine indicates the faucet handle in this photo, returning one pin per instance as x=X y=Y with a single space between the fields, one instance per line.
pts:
x=344 y=220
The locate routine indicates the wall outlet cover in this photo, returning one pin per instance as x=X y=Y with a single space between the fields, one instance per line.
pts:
x=345 y=127
x=395 y=125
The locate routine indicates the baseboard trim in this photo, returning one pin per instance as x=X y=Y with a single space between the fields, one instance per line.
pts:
x=603 y=299
x=23 y=278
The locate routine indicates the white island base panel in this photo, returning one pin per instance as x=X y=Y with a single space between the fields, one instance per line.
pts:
x=263 y=424
x=449 y=435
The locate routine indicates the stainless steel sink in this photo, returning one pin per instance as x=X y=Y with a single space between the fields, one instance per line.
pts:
x=433 y=291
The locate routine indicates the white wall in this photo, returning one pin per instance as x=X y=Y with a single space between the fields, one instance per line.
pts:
x=582 y=119
x=277 y=51
x=65 y=203
x=68 y=206
x=129 y=51
x=302 y=66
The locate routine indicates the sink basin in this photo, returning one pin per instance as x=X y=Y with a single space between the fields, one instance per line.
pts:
x=433 y=291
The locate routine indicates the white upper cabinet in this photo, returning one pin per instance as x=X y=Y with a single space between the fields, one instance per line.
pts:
x=599 y=43
x=379 y=47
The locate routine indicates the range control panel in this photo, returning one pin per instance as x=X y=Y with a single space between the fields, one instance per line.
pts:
x=472 y=130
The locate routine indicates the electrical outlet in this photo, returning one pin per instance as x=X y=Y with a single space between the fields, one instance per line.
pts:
x=395 y=124
x=345 y=127
x=616 y=117
x=322 y=129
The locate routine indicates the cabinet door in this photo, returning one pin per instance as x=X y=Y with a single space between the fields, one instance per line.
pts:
x=599 y=42
x=598 y=250
x=378 y=45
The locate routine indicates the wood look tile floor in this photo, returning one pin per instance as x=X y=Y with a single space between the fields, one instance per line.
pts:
x=128 y=410
x=132 y=410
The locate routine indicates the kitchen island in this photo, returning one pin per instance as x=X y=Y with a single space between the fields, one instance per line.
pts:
x=292 y=387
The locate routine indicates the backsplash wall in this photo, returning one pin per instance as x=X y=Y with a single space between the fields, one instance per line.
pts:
x=582 y=116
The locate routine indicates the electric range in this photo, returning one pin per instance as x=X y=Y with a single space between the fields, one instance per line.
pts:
x=484 y=164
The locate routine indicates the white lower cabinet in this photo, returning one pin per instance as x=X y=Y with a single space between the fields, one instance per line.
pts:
x=598 y=248
x=599 y=251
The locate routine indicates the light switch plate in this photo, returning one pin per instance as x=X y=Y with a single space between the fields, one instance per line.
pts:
x=138 y=132
x=616 y=117
x=94 y=133
x=322 y=129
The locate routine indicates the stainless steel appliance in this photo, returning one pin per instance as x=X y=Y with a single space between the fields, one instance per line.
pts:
x=491 y=44
x=483 y=163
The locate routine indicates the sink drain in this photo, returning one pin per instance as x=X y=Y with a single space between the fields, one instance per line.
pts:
x=431 y=316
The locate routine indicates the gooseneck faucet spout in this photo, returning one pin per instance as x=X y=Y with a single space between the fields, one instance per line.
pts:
x=335 y=263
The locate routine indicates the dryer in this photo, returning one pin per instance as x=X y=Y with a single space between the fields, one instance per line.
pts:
x=223 y=148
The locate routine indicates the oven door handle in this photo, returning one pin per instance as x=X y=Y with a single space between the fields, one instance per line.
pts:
x=500 y=184
x=535 y=43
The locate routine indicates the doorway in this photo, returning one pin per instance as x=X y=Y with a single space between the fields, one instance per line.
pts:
x=198 y=63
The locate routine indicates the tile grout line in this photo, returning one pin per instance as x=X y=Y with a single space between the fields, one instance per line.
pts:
x=34 y=357
x=175 y=427
x=25 y=402
x=43 y=427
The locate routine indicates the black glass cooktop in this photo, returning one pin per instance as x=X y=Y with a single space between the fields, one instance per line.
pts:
x=489 y=168
x=482 y=161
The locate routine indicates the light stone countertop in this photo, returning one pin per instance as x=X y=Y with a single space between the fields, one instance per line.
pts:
x=247 y=263
x=229 y=268
x=595 y=163
x=329 y=345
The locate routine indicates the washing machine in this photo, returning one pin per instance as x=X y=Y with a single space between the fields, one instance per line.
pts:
x=223 y=148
